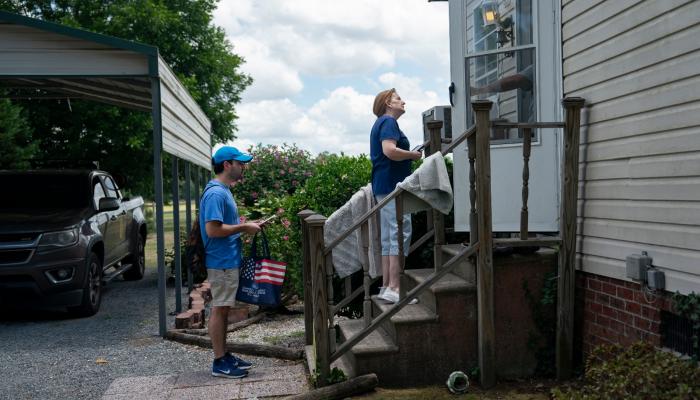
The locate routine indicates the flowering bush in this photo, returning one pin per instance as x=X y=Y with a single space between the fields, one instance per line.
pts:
x=336 y=178
x=274 y=171
x=333 y=181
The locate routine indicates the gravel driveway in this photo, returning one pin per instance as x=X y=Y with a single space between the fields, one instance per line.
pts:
x=46 y=355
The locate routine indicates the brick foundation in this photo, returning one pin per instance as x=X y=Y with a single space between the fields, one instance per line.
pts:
x=611 y=310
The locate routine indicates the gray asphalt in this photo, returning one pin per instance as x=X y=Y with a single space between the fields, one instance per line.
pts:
x=47 y=355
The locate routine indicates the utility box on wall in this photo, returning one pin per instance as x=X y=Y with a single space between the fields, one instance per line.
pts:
x=438 y=113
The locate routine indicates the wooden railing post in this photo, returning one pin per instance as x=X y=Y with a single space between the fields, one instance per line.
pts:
x=487 y=364
x=402 y=258
x=473 y=220
x=328 y=268
x=567 y=230
x=306 y=277
x=366 y=282
x=438 y=220
x=527 y=140
x=320 y=297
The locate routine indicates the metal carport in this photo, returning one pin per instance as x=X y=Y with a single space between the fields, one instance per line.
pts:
x=44 y=60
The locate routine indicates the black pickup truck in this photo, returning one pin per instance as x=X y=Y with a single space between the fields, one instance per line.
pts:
x=63 y=234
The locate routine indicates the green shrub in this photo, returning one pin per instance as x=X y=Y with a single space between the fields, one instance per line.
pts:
x=334 y=179
x=638 y=372
x=274 y=171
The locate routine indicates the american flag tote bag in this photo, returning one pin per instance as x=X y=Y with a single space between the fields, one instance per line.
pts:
x=261 y=278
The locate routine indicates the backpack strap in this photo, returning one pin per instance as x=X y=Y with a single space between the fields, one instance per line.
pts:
x=198 y=216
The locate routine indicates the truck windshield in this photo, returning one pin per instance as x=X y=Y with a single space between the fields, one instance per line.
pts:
x=43 y=191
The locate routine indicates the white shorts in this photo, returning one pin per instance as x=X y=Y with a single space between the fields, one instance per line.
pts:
x=224 y=284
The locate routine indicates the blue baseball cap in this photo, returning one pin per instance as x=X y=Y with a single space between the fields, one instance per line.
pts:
x=228 y=153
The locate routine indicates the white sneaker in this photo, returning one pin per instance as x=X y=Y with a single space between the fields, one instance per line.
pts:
x=382 y=289
x=392 y=296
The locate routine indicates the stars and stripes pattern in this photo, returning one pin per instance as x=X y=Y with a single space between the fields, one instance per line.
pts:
x=269 y=271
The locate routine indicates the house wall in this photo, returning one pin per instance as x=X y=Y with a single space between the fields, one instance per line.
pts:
x=636 y=63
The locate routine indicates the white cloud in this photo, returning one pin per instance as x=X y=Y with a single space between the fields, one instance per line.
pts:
x=379 y=44
x=324 y=38
x=337 y=123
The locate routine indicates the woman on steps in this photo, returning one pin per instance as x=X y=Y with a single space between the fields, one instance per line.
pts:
x=391 y=163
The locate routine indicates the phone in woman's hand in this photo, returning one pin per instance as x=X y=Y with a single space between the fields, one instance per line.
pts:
x=419 y=147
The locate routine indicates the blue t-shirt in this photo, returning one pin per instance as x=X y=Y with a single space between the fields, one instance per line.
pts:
x=385 y=172
x=218 y=205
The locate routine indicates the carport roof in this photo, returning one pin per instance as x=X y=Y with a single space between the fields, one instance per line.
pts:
x=44 y=60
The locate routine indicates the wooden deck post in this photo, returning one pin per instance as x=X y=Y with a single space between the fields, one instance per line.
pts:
x=527 y=140
x=402 y=257
x=484 y=274
x=434 y=127
x=306 y=277
x=367 y=280
x=320 y=297
x=567 y=230
x=473 y=220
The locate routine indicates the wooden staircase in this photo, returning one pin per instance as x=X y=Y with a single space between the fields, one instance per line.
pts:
x=461 y=322
x=423 y=343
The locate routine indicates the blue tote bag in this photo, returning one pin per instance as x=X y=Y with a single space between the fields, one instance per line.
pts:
x=261 y=278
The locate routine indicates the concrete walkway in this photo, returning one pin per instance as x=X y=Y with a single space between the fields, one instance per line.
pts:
x=261 y=383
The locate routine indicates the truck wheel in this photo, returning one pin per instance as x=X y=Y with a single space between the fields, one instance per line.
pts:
x=137 y=261
x=92 y=289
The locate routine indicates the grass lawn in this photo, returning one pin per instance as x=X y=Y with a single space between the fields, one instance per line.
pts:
x=167 y=228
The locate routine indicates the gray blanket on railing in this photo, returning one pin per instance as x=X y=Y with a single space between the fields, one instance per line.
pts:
x=428 y=187
x=348 y=254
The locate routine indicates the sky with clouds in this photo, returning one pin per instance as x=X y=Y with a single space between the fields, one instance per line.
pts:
x=317 y=65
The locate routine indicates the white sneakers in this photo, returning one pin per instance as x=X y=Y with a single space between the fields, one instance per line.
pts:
x=392 y=296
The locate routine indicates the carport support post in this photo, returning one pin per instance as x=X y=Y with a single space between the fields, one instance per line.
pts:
x=176 y=234
x=158 y=182
x=188 y=217
x=197 y=184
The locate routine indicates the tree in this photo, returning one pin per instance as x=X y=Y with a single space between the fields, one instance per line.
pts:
x=16 y=146
x=197 y=51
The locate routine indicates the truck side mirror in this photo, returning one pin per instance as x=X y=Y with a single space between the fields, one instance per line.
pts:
x=108 y=204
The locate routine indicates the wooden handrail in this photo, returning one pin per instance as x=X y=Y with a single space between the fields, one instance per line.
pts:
x=420 y=241
x=362 y=219
x=347 y=345
x=390 y=196
x=348 y=299
x=459 y=140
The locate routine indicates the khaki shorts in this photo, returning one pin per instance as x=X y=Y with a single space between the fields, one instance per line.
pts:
x=224 y=284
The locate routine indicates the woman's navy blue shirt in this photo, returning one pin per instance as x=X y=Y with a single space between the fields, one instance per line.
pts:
x=385 y=172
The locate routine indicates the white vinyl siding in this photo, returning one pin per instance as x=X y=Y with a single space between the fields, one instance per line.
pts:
x=637 y=64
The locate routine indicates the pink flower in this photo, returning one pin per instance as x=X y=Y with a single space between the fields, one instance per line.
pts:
x=276 y=185
x=243 y=219
x=286 y=222
x=295 y=182
x=280 y=211
x=282 y=172
x=285 y=237
x=254 y=195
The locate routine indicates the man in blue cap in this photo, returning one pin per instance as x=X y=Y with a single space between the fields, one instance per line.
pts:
x=221 y=230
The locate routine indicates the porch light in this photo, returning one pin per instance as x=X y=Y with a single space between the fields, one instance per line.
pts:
x=489 y=11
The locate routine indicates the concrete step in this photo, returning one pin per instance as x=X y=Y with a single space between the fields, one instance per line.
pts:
x=377 y=343
x=410 y=314
x=448 y=284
